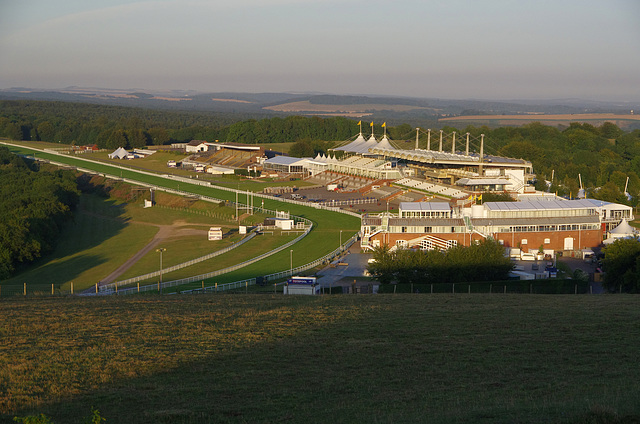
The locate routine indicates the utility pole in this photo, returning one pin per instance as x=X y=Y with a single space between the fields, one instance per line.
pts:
x=162 y=249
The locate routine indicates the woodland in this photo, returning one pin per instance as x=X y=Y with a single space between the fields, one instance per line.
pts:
x=602 y=156
x=35 y=205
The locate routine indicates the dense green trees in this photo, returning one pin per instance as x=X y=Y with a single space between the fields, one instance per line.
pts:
x=309 y=148
x=484 y=261
x=604 y=156
x=34 y=205
x=622 y=265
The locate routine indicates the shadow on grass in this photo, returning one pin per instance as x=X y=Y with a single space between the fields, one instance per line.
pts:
x=58 y=273
x=96 y=220
x=373 y=364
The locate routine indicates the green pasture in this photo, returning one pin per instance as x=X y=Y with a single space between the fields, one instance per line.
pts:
x=264 y=358
x=89 y=249
x=322 y=240
x=257 y=246
x=106 y=233
x=278 y=147
x=157 y=163
x=179 y=250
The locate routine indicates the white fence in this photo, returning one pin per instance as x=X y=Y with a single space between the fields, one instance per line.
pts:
x=208 y=275
x=112 y=286
x=334 y=203
x=278 y=275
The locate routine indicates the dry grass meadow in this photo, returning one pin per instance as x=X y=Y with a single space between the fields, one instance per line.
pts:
x=402 y=358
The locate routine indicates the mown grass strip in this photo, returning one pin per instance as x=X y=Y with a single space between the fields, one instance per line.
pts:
x=321 y=241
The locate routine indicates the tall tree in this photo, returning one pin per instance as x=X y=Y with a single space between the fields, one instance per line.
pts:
x=621 y=265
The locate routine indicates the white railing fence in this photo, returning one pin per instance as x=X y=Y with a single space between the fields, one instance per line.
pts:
x=276 y=276
x=208 y=275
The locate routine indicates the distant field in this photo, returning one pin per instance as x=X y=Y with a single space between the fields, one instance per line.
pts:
x=351 y=110
x=345 y=359
x=278 y=147
x=502 y=120
x=158 y=163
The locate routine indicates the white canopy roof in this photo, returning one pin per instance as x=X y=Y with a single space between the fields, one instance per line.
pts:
x=119 y=153
x=385 y=144
x=623 y=229
x=354 y=146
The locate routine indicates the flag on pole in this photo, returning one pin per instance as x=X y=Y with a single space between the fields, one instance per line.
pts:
x=384 y=124
x=371 y=125
x=359 y=122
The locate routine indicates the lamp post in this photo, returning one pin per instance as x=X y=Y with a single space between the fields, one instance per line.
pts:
x=340 y=240
x=162 y=249
x=291 y=261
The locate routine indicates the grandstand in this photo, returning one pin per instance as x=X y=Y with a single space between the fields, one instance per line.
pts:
x=432 y=188
x=229 y=155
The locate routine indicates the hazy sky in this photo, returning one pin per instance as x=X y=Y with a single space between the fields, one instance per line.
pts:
x=491 y=49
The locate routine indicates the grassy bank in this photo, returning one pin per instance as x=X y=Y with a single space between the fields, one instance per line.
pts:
x=379 y=358
x=322 y=240
x=105 y=233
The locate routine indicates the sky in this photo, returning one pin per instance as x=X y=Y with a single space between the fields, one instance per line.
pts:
x=451 y=49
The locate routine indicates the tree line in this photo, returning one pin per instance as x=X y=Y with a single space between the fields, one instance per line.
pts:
x=604 y=156
x=484 y=261
x=34 y=206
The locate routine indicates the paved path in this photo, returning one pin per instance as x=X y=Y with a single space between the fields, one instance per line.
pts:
x=357 y=264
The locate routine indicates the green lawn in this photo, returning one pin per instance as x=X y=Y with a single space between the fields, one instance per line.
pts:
x=89 y=249
x=264 y=358
x=157 y=163
x=322 y=240
x=257 y=246
x=182 y=249
x=106 y=233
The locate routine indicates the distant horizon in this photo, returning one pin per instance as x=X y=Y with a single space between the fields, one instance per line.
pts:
x=130 y=90
x=495 y=49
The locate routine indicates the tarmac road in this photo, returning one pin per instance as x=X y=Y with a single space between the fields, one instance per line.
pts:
x=357 y=264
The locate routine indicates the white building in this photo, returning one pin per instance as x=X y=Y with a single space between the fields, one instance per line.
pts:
x=215 y=233
x=195 y=146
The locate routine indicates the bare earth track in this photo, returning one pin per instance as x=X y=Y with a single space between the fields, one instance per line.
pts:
x=164 y=232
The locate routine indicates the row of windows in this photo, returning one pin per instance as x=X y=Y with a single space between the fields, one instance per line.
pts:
x=492 y=229
x=542 y=213
x=418 y=230
x=541 y=228
x=426 y=214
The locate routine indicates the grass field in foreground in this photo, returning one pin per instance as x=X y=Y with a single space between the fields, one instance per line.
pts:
x=367 y=358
